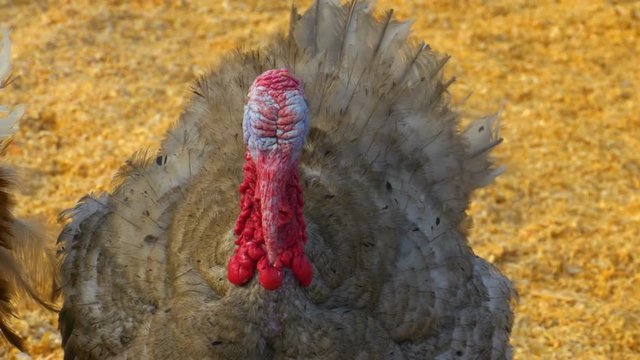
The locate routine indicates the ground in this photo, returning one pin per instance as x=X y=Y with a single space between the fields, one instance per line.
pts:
x=103 y=79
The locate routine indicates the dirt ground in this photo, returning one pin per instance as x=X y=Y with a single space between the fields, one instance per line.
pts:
x=103 y=79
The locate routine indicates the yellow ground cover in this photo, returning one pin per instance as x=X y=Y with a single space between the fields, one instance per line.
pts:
x=101 y=79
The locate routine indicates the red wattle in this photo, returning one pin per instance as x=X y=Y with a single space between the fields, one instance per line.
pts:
x=238 y=272
x=254 y=251
x=286 y=257
x=251 y=251
x=270 y=277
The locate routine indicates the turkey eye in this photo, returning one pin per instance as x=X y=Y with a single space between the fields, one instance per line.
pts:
x=161 y=160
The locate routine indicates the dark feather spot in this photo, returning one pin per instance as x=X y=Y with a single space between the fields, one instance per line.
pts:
x=481 y=129
x=197 y=92
x=146 y=213
x=459 y=353
x=150 y=239
x=416 y=229
x=389 y=187
x=437 y=221
x=385 y=207
x=216 y=343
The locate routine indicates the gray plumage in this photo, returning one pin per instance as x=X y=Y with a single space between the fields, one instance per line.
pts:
x=386 y=176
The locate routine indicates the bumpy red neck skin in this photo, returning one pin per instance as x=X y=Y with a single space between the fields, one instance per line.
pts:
x=270 y=228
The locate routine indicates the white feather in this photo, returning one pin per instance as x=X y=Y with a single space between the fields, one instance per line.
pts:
x=8 y=124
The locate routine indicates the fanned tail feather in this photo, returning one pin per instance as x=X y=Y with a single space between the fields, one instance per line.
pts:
x=392 y=93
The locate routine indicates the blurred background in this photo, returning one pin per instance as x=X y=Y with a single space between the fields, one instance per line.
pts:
x=101 y=79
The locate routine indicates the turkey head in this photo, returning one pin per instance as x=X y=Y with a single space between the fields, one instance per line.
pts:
x=270 y=228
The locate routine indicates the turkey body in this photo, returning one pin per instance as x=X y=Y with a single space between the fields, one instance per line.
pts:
x=386 y=177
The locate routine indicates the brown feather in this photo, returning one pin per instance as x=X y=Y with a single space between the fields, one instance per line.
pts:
x=7 y=290
x=27 y=263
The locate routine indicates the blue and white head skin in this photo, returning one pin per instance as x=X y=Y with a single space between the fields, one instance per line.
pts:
x=275 y=117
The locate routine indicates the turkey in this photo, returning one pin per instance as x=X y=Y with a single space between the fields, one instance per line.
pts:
x=26 y=262
x=309 y=204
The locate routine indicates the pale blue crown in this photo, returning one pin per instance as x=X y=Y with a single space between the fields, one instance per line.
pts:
x=269 y=126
